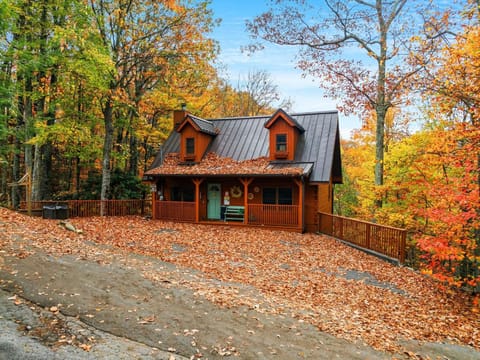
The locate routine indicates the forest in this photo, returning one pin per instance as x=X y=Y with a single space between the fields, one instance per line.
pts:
x=87 y=90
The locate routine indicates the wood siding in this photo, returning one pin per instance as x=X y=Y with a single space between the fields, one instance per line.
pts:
x=311 y=208
x=201 y=143
x=280 y=126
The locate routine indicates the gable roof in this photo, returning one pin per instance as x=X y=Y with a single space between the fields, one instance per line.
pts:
x=199 y=124
x=290 y=121
x=246 y=138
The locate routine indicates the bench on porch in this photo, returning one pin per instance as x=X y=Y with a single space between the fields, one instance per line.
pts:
x=235 y=213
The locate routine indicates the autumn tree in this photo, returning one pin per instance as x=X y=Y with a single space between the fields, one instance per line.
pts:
x=29 y=65
x=358 y=158
x=5 y=86
x=40 y=40
x=452 y=243
x=358 y=49
x=144 y=39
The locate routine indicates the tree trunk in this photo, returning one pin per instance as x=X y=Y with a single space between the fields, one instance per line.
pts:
x=78 y=170
x=16 y=173
x=381 y=105
x=40 y=107
x=133 y=164
x=27 y=120
x=37 y=173
x=107 y=149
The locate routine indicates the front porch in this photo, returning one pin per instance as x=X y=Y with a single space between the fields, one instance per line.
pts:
x=273 y=202
x=265 y=215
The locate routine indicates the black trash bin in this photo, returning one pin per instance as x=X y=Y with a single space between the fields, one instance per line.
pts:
x=57 y=211
x=48 y=212
x=62 y=211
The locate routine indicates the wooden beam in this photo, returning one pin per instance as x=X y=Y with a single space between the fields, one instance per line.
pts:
x=197 y=182
x=245 y=182
x=154 y=203
x=29 y=192
x=300 y=202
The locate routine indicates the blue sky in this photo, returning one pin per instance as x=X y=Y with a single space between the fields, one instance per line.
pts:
x=278 y=61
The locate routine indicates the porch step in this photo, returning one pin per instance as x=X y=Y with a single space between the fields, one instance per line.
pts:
x=234 y=213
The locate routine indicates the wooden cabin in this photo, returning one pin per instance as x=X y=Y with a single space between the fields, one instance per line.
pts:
x=273 y=171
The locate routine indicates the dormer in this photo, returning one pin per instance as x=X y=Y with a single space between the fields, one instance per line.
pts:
x=195 y=136
x=284 y=132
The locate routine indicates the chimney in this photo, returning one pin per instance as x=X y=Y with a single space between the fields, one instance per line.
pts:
x=179 y=116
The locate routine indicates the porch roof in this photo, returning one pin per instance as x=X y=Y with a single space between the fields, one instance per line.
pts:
x=214 y=165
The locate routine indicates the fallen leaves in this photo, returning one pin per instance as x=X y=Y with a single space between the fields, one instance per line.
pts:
x=85 y=347
x=51 y=328
x=147 y=320
x=16 y=300
x=212 y=164
x=306 y=276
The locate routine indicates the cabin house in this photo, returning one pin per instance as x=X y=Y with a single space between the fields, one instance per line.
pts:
x=273 y=171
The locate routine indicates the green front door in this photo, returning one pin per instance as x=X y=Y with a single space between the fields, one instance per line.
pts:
x=214 y=201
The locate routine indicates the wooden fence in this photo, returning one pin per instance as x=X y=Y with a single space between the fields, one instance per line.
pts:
x=87 y=208
x=382 y=239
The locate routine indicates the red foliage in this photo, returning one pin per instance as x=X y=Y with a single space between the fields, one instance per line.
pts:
x=452 y=243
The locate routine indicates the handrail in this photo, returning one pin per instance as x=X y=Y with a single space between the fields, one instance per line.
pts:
x=387 y=240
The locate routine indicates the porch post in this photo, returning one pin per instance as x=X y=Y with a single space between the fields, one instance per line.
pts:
x=197 y=183
x=154 y=203
x=245 y=182
x=300 y=202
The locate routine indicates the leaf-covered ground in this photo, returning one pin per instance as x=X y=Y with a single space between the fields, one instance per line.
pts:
x=340 y=290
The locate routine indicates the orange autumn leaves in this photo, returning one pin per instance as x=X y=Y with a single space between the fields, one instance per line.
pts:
x=314 y=278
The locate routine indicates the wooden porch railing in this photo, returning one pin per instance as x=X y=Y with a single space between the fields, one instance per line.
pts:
x=87 y=208
x=382 y=239
x=273 y=215
x=175 y=211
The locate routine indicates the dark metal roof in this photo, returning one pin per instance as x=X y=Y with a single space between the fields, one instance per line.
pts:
x=244 y=138
x=204 y=125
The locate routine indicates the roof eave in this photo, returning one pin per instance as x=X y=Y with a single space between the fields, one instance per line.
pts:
x=224 y=175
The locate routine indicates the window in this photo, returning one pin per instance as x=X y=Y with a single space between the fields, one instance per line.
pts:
x=183 y=194
x=285 y=196
x=190 y=146
x=269 y=196
x=281 y=143
x=277 y=196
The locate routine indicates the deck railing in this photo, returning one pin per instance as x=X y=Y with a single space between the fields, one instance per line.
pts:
x=273 y=215
x=175 y=211
x=87 y=208
x=382 y=239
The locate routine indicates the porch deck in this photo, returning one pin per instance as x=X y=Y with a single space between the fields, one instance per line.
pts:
x=263 y=215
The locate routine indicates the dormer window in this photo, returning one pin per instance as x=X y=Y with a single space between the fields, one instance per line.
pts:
x=281 y=143
x=195 y=136
x=284 y=133
x=189 y=148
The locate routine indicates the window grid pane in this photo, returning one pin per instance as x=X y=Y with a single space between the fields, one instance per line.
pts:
x=285 y=196
x=190 y=146
x=269 y=196
x=281 y=143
